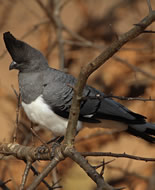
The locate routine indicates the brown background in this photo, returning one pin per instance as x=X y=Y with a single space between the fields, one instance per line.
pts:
x=101 y=22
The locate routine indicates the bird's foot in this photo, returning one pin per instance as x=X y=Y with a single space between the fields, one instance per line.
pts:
x=55 y=145
x=53 y=149
x=43 y=149
x=46 y=148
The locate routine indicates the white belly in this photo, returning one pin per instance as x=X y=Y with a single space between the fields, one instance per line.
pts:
x=39 y=112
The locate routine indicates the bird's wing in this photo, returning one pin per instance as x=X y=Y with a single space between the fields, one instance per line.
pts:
x=58 y=92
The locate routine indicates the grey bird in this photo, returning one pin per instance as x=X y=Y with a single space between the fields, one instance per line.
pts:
x=46 y=95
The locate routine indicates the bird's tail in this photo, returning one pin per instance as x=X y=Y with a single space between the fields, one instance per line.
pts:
x=145 y=131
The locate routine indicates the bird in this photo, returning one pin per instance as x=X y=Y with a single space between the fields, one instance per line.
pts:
x=46 y=97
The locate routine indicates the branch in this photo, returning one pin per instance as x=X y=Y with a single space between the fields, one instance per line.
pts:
x=29 y=155
x=135 y=68
x=59 y=29
x=149 y=5
x=25 y=175
x=116 y=155
x=87 y=70
x=35 y=172
x=3 y=184
x=149 y=31
x=91 y=172
x=22 y=152
x=45 y=172
x=98 y=96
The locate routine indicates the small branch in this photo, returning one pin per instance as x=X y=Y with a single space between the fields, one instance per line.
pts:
x=116 y=155
x=134 y=68
x=37 y=173
x=57 y=158
x=38 y=137
x=149 y=5
x=3 y=184
x=76 y=35
x=59 y=28
x=91 y=172
x=118 y=97
x=18 y=96
x=56 y=21
x=95 y=64
x=56 y=184
x=90 y=44
x=55 y=180
x=149 y=31
x=103 y=163
x=25 y=175
x=46 y=11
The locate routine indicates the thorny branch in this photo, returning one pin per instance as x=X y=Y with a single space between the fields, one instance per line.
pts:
x=30 y=154
x=116 y=155
x=27 y=153
x=95 y=64
x=119 y=97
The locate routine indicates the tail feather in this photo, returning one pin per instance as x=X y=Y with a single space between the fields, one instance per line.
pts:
x=145 y=131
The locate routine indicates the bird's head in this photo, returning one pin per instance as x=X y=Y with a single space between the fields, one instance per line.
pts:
x=25 y=58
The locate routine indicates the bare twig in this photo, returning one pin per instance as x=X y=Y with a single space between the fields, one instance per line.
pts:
x=38 y=137
x=116 y=155
x=149 y=5
x=76 y=35
x=91 y=67
x=17 y=114
x=149 y=31
x=55 y=178
x=34 y=28
x=25 y=175
x=91 y=172
x=30 y=154
x=134 y=68
x=57 y=158
x=46 y=11
x=3 y=184
x=59 y=29
x=56 y=184
x=100 y=97
x=56 y=21
x=103 y=163
x=93 y=45
x=37 y=173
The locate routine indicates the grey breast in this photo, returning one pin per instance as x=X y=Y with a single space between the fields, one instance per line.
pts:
x=30 y=86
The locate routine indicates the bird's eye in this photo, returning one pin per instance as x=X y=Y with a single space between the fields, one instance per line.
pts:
x=13 y=63
x=44 y=85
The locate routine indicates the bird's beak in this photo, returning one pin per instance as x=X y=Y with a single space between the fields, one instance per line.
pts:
x=12 y=65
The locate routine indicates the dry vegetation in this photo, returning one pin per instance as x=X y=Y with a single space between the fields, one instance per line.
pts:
x=89 y=27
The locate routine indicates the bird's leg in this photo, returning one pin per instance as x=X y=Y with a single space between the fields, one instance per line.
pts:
x=56 y=144
x=45 y=149
x=53 y=140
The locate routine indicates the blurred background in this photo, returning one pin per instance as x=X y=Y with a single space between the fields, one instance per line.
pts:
x=87 y=28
